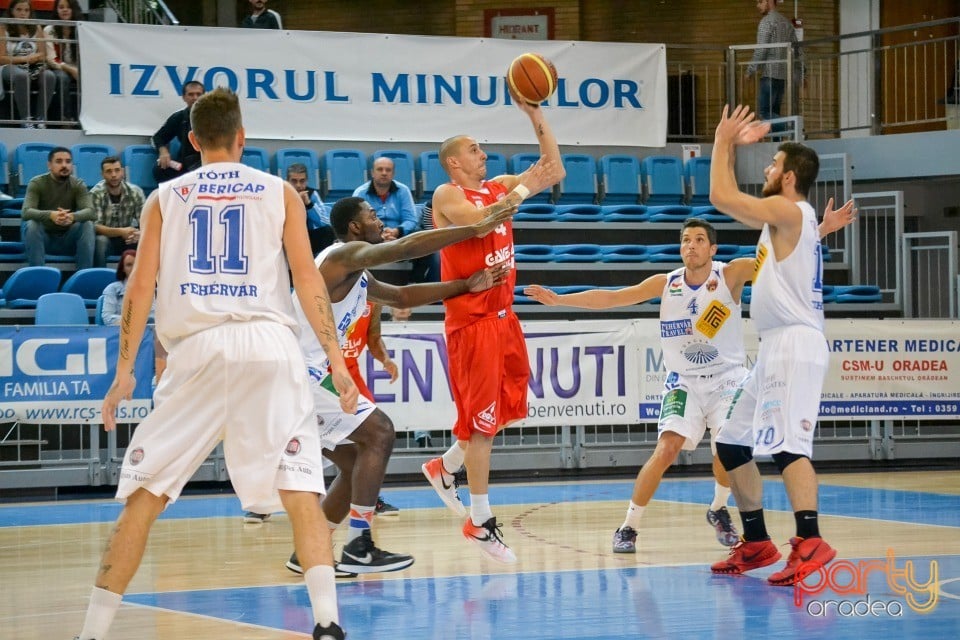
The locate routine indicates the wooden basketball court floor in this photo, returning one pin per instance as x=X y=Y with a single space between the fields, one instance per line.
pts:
x=208 y=575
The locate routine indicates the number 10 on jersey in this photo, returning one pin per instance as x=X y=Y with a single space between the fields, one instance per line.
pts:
x=233 y=259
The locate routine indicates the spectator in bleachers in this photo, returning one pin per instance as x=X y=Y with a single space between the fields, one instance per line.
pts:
x=58 y=215
x=261 y=18
x=117 y=205
x=113 y=293
x=63 y=56
x=774 y=27
x=318 y=218
x=23 y=54
x=392 y=200
x=177 y=127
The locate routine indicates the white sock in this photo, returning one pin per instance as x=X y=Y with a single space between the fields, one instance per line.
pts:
x=322 y=589
x=453 y=458
x=721 y=495
x=361 y=519
x=480 y=508
x=100 y=612
x=332 y=525
x=634 y=512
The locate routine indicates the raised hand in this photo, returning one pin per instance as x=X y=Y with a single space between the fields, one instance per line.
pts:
x=542 y=295
x=545 y=173
x=752 y=132
x=732 y=125
x=834 y=220
x=489 y=277
x=494 y=219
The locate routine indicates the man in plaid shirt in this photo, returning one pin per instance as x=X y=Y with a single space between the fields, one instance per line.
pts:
x=117 y=204
x=774 y=27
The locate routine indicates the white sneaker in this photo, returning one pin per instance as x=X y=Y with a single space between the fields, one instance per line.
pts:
x=487 y=537
x=437 y=476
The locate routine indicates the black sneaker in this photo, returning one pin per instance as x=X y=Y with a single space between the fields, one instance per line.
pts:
x=330 y=632
x=294 y=565
x=252 y=517
x=385 y=508
x=360 y=555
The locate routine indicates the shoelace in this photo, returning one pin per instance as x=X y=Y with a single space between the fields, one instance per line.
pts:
x=724 y=518
x=494 y=530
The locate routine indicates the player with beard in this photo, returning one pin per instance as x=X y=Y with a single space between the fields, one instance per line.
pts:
x=775 y=409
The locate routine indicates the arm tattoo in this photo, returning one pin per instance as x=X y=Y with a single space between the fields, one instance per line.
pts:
x=125 y=333
x=540 y=130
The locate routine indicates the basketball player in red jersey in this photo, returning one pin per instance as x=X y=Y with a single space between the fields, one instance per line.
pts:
x=487 y=355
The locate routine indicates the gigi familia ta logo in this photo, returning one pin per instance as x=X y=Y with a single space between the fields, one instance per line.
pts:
x=846 y=578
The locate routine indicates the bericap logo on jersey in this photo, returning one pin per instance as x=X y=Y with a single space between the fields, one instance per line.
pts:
x=184 y=190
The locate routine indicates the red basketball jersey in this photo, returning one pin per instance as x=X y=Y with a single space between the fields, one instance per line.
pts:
x=463 y=259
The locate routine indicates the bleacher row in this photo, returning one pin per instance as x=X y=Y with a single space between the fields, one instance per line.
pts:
x=614 y=179
x=33 y=288
x=669 y=253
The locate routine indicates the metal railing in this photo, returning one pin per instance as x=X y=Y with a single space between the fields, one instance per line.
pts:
x=930 y=265
x=143 y=11
x=879 y=261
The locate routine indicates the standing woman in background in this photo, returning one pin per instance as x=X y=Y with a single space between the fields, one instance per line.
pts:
x=63 y=56
x=23 y=54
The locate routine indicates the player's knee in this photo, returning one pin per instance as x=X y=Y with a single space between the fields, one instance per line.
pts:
x=669 y=445
x=733 y=455
x=785 y=458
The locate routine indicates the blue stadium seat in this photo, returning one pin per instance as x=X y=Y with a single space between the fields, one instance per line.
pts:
x=307 y=157
x=29 y=161
x=26 y=285
x=624 y=213
x=519 y=298
x=747 y=251
x=579 y=213
x=727 y=252
x=663 y=180
x=710 y=214
x=623 y=253
x=746 y=294
x=89 y=284
x=345 y=170
x=11 y=251
x=496 y=165
x=404 y=167
x=858 y=293
x=257 y=158
x=4 y=170
x=579 y=186
x=577 y=253
x=518 y=164
x=620 y=181
x=669 y=213
x=61 y=308
x=663 y=253
x=697 y=174
x=533 y=253
x=139 y=161
x=98 y=313
x=829 y=293
x=432 y=174
x=825 y=253
x=87 y=159
x=535 y=212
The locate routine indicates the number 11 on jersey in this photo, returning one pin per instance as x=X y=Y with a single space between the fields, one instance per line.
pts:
x=233 y=259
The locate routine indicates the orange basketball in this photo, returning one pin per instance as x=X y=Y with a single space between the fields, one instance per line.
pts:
x=532 y=77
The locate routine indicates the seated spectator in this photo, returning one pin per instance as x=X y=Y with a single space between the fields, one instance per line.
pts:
x=392 y=200
x=177 y=126
x=58 y=214
x=113 y=293
x=23 y=54
x=318 y=218
x=64 y=57
x=117 y=205
x=261 y=18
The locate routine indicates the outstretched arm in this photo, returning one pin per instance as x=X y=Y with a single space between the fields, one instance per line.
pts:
x=834 y=220
x=739 y=128
x=601 y=298
x=414 y=295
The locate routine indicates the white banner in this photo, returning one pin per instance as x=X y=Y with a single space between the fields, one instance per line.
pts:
x=611 y=372
x=580 y=373
x=303 y=85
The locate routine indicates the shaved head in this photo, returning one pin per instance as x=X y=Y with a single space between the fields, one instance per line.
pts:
x=451 y=147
